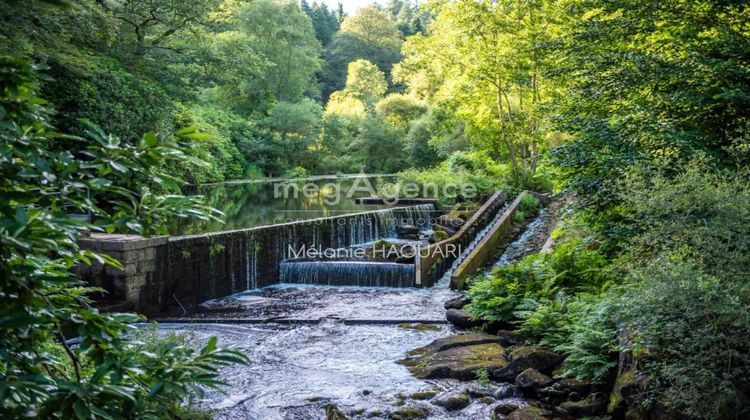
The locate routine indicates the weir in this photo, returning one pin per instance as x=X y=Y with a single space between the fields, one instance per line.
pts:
x=347 y=273
x=195 y=268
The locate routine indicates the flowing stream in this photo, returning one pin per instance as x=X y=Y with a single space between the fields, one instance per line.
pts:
x=297 y=368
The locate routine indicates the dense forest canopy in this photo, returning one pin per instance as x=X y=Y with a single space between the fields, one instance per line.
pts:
x=639 y=111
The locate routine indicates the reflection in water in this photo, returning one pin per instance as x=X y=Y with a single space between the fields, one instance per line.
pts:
x=264 y=203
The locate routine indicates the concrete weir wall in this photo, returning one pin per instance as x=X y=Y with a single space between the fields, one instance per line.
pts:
x=433 y=261
x=160 y=272
x=488 y=246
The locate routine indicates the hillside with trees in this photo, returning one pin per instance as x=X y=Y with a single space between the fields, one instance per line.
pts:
x=637 y=111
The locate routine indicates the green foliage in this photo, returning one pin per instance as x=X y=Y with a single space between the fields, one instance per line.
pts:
x=700 y=213
x=475 y=171
x=691 y=331
x=124 y=188
x=637 y=75
x=365 y=81
x=369 y=34
x=572 y=267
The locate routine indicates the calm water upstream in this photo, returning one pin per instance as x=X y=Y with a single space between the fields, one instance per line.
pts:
x=253 y=204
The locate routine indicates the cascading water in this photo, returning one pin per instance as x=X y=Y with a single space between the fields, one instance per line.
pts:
x=526 y=243
x=347 y=273
x=336 y=233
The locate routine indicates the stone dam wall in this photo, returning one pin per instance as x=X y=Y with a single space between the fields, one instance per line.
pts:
x=434 y=261
x=186 y=270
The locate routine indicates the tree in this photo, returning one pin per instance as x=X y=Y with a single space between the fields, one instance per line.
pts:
x=365 y=82
x=379 y=146
x=400 y=109
x=269 y=54
x=370 y=34
x=294 y=128
x=324 y=21
x=489 y=58
x=152 y=23
x=126 y=189
x=656 y=80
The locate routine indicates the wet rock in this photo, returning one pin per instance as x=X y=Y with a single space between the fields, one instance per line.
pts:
x=528 y=413
x=334 y=413
x=504 y=391
x=459 y=362
x=456 y=303
x=524 y=357
x=503 y=409
x=478 y=391
x=487 y=400
x=452 y=400
x=587 y=407
x=531 y=380
x=407 y=230
x=419 y=326
x=458 y=357
x=458 y=340
x=509 y=338
x=409 y=236
x=423 y=395
x=461 y=319
x=573 y=386
x=409 y=414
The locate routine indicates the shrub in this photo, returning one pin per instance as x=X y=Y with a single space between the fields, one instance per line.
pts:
x=691 y=333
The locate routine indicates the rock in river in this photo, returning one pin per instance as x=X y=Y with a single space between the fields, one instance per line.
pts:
x=524 y=357
x=457 y=357
x=531 y=380
x=452 y=400
x=461 y=319
x=456 y=303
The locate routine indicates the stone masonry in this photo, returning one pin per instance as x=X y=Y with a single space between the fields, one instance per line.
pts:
x=136 y=283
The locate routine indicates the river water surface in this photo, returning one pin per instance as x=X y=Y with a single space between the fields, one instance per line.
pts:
x=334 y=345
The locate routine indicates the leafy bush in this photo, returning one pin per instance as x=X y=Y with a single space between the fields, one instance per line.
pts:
x=126 y=189
x=691 y=333
x=572 y=267
x=461 y=170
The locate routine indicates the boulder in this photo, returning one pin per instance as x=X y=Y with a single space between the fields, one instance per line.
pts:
x=573 y=386
x=478 y=391
x=456 y=303
x=504 y=391
x=509 y=338
x=452 y=400
x=524 y=357
x=438 y=227
x=411 y=413
x=461 y=319
x=528 y=413
x=409 y=236
x=587 y=407
x=458 y=362
x=405 y=229
x=532 y=380
x=459 y=357
x=503 y=409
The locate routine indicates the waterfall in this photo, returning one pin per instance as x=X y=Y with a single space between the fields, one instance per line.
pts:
x=347 y=273
x=270 y=245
